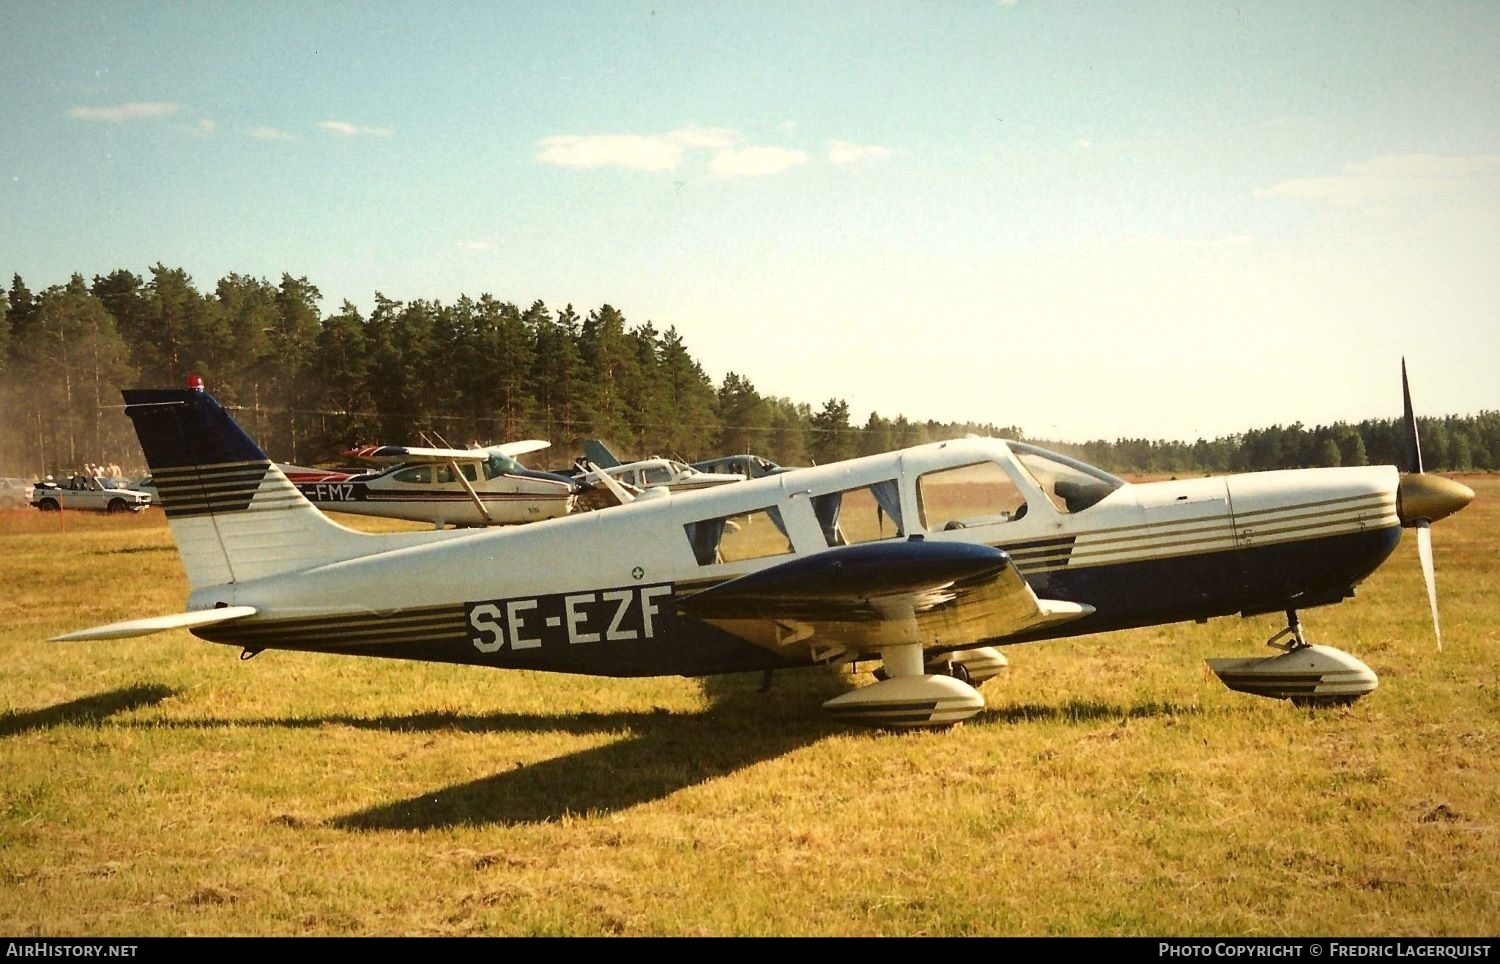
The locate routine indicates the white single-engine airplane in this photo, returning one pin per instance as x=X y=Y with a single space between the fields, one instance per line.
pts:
x=599 y=462
x=462 y=487
x=925 y=559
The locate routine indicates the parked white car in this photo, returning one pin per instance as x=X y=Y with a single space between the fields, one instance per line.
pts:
x=147 y=486
x=93 y=492
x=14 y=493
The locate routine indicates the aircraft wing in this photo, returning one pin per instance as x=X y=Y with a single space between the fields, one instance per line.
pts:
x=157 y=624
x=416 y=455
x=863 y=597
x=514 y=449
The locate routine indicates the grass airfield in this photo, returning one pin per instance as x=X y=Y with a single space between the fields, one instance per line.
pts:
x=162 y=786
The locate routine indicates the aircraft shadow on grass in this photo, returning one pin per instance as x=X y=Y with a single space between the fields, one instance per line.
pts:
x=665 y=753
x=668 y=752
x=85 y=709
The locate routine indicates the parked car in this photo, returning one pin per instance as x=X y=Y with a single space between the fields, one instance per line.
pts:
x=144 y=484
x=95 y=492
x=14 y=493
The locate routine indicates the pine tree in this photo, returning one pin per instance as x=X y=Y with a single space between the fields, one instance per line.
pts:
x=832 y=438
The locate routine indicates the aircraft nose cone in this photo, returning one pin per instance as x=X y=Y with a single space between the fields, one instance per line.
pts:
x=1429 y=497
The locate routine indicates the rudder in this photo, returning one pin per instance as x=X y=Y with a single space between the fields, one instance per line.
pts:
x=232 y=512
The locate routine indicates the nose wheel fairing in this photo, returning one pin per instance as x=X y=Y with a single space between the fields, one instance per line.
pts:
x=1305 y=673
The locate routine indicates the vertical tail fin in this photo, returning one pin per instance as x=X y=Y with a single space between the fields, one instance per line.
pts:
x=233 y=514
x=598 y=453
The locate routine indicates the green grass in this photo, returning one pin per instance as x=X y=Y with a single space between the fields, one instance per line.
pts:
x=162 y=786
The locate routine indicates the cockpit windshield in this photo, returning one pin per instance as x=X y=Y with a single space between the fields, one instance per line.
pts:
x=499 y=464
x=1072 y=485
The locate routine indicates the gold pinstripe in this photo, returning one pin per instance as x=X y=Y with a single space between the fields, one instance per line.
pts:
x=1189 y=537
x=421 y=625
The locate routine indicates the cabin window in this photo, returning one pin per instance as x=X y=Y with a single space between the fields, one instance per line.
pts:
x=969 y=495
x=656 y=475
x=865 y=514
x=415 y=475
x=748 y=535
x=445 y=473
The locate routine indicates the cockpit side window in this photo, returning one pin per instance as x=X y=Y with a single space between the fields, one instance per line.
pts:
x=656 y=475
x=968 y=495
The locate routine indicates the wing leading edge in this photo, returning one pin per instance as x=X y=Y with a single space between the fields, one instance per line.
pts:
x=856 y=599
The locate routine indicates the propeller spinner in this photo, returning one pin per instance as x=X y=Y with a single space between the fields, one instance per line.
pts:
x=1422 y=499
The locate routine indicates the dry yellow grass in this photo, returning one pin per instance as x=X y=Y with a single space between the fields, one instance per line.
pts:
x=160 y=786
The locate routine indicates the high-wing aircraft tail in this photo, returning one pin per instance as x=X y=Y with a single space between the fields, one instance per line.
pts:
x=233 y=513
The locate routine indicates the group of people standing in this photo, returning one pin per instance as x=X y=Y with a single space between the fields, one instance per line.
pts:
x=108 y=471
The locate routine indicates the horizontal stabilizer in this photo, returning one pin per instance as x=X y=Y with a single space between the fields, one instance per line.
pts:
x=157 y=624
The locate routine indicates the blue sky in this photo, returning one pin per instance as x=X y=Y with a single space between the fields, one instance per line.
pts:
x=1091 y=220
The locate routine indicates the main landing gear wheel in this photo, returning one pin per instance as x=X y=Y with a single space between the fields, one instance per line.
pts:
x=908 y=695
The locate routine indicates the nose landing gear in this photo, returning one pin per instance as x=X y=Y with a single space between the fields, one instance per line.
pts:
x=1305 y=673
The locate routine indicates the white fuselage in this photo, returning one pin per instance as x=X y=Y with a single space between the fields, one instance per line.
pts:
x=1161 y=531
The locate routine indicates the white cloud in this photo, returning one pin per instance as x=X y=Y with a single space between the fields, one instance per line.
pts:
x=636 y=151
x=476 y=245
x=703 y=137
x=206 y=127
x=270 y=134
x=346 y=129
x=1083 y=143
x=846 y=152
x=667 y=152
x=754 y=161
x=139 y=110
x=1392 y=177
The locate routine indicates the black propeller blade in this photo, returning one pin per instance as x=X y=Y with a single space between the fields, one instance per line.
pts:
x=1413 y=443
x=1422 y=498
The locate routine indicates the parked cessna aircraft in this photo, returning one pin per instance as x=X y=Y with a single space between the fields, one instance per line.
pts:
x=922 y=561
x=460 y=487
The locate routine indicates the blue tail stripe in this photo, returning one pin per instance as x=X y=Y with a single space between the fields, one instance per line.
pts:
x=186 y=427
